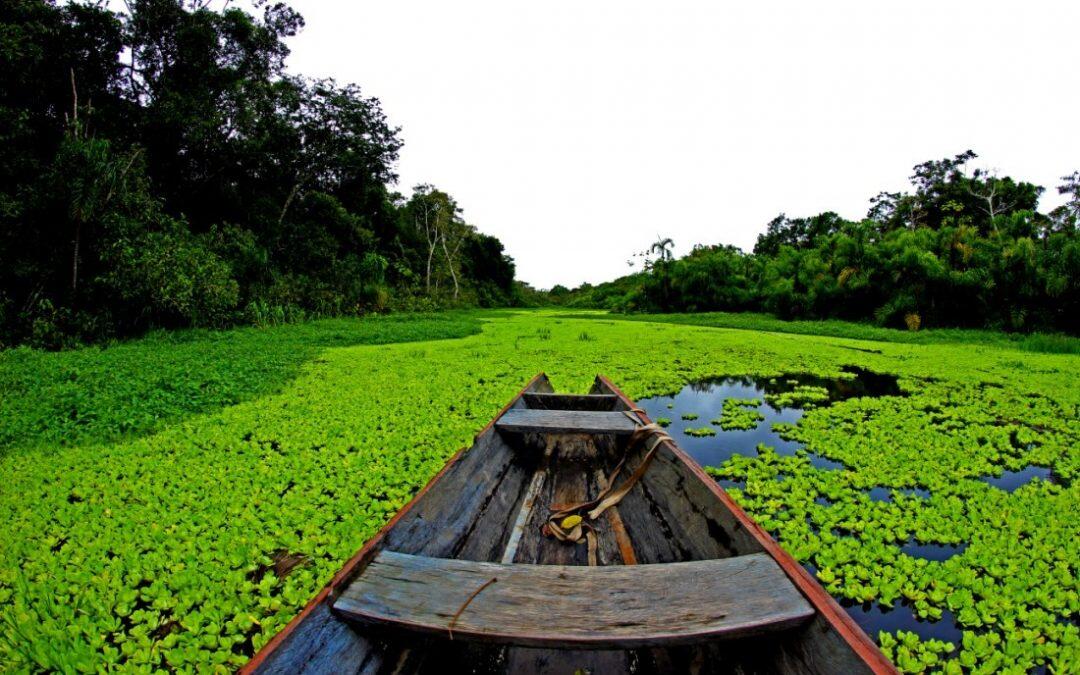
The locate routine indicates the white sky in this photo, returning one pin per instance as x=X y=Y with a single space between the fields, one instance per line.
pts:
x=577 y=132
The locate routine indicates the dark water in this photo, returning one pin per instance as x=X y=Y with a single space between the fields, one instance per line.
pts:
x=936 y=552
x=1011 y=480
x=874 y=617
x=880 y=494
x=706 y=400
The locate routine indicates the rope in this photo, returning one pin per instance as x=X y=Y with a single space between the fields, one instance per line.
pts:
x=562 y=524
x=453 y=619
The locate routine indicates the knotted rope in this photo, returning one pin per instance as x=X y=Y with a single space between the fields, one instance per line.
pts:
x=570 y=523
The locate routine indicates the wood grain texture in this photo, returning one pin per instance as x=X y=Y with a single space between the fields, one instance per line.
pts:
x=320 y=641
x=832 y=642
x=319 y=644
x=528 y=502
x=574 y=606
x=485 y=476
x=315 y=629
x=566 y=422
x=542 y=401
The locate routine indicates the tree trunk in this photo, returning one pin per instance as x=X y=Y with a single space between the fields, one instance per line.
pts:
x=75 y=258
x=450 y=264
x=427 y=276
x=288 y=200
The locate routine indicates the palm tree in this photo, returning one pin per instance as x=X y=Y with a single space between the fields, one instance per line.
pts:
x=662 y=247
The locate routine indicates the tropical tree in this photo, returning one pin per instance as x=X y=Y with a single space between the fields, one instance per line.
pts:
x=662 y=248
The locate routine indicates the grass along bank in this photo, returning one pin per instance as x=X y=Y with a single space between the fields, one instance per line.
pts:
x=101 y=394
x=1045 y=343
x=157 y=550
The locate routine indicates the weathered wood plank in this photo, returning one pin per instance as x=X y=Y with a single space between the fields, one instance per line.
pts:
x=525 y=508
x=541 y=401
x=566 y=452
x=436 y=524
x=695 y=517
x=613 y=543
x=830 y=643
x=318 y=644
x=566 y=662
x=602 y=607
x=654 y=540
x=566 y=422
x=570 y=484
x=317 y=641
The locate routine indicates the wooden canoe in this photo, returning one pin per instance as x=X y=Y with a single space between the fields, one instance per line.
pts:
x=466 y=577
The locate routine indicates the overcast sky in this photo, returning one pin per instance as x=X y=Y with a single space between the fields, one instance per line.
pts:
x=577 y=132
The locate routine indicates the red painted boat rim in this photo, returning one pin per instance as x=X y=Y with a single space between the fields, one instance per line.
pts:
x=845 y=626
x=368 y=548
x=852 y=634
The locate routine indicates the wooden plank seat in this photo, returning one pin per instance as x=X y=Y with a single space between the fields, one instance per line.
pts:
x=566 y=422
x=559 y=606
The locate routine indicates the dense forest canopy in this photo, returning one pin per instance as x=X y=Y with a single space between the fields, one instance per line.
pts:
x=962 y=248
x=159 y=167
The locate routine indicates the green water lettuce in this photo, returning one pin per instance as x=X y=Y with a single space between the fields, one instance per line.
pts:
x=739 y=414
x=165 y=547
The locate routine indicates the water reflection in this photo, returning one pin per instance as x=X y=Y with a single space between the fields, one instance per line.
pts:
x=1011 y=480
x=705 y=401
x=874 y=617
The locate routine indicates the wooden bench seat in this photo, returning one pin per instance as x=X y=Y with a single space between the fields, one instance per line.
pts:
x=614 y=607
x=566 y=422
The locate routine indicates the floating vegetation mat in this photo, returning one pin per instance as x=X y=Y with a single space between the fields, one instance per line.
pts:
x=170 y=505
x=905 y=509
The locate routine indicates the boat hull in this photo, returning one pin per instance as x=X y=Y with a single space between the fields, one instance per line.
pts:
x=485 y=505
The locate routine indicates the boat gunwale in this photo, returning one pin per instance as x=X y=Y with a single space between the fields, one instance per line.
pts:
x=830 y=611
x=370 y=547
x=827 y=607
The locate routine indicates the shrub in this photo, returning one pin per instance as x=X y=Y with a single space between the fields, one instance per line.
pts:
x=174 y=276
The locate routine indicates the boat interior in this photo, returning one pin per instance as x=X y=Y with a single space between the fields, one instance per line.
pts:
x=672 y=577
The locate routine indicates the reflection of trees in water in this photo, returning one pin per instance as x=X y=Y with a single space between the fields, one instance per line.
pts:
x=707 y=386
x=865 y=383
x=869 y=383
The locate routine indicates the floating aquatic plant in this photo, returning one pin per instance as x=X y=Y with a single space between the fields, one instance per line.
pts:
x=700 y=431
x=739 y=414
x=121 y=550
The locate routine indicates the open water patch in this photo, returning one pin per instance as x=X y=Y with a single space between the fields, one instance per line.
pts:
x=874 y=617
x=729 y=484
x=700 y=402
x=824 y=463
x=935 y=552
x=879 y=494
x=1010 y=481
x=887 y=495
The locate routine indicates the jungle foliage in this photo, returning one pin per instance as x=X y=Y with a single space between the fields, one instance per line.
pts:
x=159 y=167
x=963 y=248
